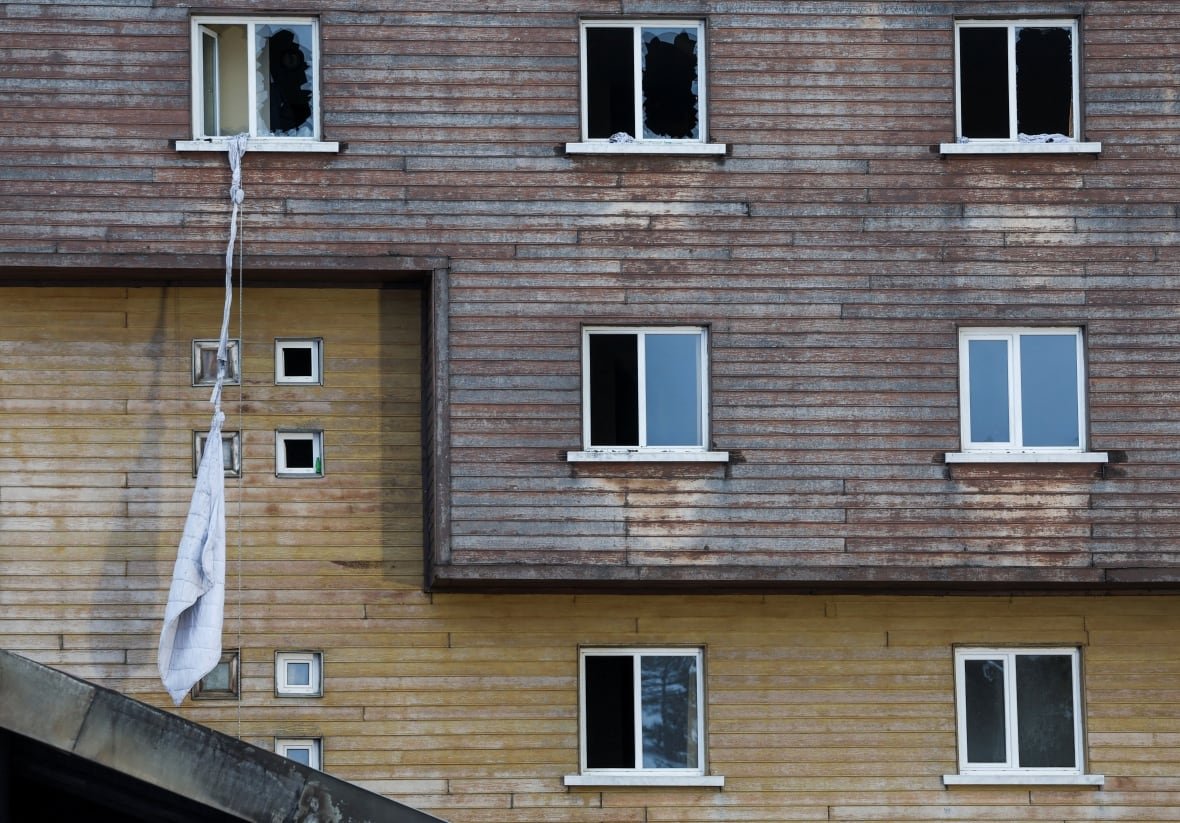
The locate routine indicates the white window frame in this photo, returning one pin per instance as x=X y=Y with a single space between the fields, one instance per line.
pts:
x=316 y=347
x=231 y=469
x=204 y=142
x=233 y=366
x=314 y=746
x=1012 y=143
x=640 y=776
x=1015 y=450
x=640 y=144
x=315 y=665
x=642 y=452
x=316 y=436
x=1010 y=772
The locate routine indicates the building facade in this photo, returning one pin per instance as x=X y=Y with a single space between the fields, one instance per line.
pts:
x=659 y=412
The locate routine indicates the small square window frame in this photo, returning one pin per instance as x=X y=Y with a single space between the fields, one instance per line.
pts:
x=697 y=776
x=1009 y=774
x=265 y=143
x=314 y=745
x=315 y=345
x=639 y=144
x=1012 y=144
x=315 y=686
x=642 y=452
x=231 y=658
x=233 y=352
x=316 y=436
x=1015 y=451
x=232 y=469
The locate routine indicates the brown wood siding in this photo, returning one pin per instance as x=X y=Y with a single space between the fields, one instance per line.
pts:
x=833 y=254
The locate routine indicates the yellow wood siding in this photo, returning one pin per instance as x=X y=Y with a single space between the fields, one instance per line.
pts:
x=818 y=707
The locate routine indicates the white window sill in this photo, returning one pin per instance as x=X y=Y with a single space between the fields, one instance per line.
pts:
x=648 y=456
x=1006 y=147
x=1027 y=457
x=275 y=144
x=646 y=147
x=984 y=779
x=715 y=780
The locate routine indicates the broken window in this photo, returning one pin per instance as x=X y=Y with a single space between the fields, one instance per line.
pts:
x=642 y=81
x=1018 y=80
x=644 y=388
x=256 y=77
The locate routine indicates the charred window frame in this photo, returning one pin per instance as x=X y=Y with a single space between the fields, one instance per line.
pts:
x=257 y=76
x=643 y=85
x=1017 y=81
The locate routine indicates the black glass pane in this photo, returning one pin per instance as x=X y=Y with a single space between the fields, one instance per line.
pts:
x=983 y=82
x=610 y=712
x=297 y=362
x=614 y=390
x=984 y=684
x=300 y=454
x=1044 y=710
x=1044 y=81
x=670 y=83
x=610 y=81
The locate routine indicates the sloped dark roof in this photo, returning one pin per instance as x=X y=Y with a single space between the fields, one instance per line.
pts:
x=71 y=750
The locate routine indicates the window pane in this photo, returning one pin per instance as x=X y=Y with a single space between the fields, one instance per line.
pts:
x=983 y=82
x=669 y=688
x=1049 y=389
x=283 y=57
x=1044 y=81
x=299 y=755
x=232 y=86
x=218 y=678
x=298 y=674
x=300 y=454
x=209 y=81
x=297 y=361
x=610 y=712
x=988 y=370
x=610 y=81
x=614 y=390
x=670 y=83
x=673 y=389
x=984 y=721
x=1044 y=710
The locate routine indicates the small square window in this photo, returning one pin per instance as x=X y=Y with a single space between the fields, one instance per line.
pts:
x=255 y=76
x=1016 y=83
x=305 y=750
x=299 y=454
x=1023 y=390
x=1019 y=714
x=205 y=363
x=642 y=716
x=644 y=394
x=222 y=683
x=299 y=674
x=299 y=361
x=643 y=85
x=231 y=452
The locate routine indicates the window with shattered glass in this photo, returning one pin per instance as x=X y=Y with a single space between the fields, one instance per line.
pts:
x=1017 y=80
x=257 y=77
x=642 y=81
x=1019 y=711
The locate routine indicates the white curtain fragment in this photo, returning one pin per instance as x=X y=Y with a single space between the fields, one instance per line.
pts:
x=190 y=643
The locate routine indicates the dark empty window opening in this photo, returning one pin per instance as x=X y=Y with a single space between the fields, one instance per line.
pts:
x=297 y=362
x=642 y=81
x=610 y=712
x=300 y=453
x=614 y=390
x=1016 y=82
